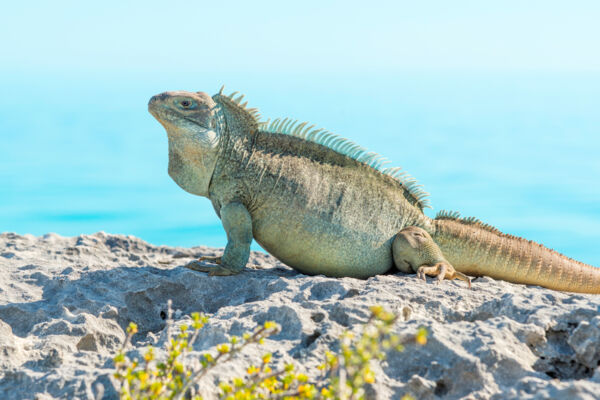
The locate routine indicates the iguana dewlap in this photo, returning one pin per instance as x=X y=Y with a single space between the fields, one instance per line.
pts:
x=324 y=205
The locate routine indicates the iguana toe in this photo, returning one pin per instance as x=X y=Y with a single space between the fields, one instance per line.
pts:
x=213 y=270
x=442 y=270
x=214 y=259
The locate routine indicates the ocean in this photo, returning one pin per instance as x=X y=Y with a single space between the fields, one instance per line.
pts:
x=518 y=150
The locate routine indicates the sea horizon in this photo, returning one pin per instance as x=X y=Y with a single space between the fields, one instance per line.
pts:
x=514 y=149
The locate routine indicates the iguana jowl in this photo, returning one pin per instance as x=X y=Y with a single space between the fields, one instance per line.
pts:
x=324 y=205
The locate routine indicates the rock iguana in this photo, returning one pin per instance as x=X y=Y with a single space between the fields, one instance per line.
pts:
x=325 y=205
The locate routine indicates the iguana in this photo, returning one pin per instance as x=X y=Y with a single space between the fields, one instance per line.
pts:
x=324 y=205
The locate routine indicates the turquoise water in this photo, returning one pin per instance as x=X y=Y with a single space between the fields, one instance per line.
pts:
x=81 y=154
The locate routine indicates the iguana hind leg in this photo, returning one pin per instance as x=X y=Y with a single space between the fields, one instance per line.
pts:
x=415 y=251
x=238 y=226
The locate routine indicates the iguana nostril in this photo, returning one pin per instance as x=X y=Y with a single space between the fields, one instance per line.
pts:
x=153 y=101
x=158 y=97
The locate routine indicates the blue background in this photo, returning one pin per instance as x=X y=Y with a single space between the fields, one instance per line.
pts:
x=494 y=108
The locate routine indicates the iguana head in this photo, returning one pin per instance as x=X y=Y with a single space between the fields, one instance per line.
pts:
x=192 y=124
x=186 y=114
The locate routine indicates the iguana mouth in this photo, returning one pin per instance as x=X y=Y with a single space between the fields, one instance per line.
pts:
x=168 y=115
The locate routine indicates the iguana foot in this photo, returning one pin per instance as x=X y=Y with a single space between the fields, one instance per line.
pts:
x=214 y=259
x=442 y=270
x=213 y=270
x=414 y=250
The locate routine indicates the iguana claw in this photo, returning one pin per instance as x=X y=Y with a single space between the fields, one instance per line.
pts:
x=214 y=259
x=442 y=270
x=213 y=270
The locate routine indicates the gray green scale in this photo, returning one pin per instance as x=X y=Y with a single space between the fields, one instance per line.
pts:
x=325 y=205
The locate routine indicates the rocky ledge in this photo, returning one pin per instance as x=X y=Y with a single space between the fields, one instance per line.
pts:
x=65 y=302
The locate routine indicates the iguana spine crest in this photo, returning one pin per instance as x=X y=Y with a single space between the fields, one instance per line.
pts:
x=339 y=144
x=477 y=249
x=455 y=216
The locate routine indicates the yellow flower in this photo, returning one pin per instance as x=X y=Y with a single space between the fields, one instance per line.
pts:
x=225 y=387
x=132 y=328
x=421 y=337
x=149 y=356
x=238 y=382
x=376 y=310
x=368 y=376
x=252 y=370
x=305 y=390
x=270 y=325
x=119 y=358
x=223 y=348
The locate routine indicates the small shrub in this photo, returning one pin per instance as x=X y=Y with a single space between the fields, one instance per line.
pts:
x=345 y=373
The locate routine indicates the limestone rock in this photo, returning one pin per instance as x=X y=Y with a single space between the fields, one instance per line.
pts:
x=65 y=304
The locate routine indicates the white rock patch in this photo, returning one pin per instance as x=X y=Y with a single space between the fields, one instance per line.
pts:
x=64 y=304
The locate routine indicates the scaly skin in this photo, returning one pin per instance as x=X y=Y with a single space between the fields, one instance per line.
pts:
x=321 y=211
x=476 y=251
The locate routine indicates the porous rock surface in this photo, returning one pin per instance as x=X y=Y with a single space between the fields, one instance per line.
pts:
x=65 y=302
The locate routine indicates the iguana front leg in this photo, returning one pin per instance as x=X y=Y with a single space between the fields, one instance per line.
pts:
x=238 y=226
x=415 y=251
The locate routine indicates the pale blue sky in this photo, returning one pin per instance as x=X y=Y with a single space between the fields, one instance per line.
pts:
x=193 y=36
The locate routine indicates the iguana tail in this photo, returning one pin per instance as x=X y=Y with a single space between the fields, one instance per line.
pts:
x=477 y=249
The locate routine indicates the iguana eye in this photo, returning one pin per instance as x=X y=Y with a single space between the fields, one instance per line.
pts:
x=187 y=104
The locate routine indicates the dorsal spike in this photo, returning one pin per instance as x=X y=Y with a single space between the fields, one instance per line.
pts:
x=251 y=118
x=336 y=143
x=307 y=130
x=276 y=123
x=455 y=216
x=286 y=127
x=298 y=129
x=446 y=214
x=314 y=133
x=280 y=123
